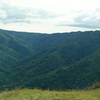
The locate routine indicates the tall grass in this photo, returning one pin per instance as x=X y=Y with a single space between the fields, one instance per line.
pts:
x=36 y=94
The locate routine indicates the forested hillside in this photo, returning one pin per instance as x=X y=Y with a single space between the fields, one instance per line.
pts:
x=55 y=61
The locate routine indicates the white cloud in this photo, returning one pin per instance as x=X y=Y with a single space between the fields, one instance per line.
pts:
x=49 y=15
x=3 y=14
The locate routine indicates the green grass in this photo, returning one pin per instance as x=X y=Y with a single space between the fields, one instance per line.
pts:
x=35 y=94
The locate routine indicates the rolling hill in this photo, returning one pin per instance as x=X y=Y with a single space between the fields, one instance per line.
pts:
x=54 y=61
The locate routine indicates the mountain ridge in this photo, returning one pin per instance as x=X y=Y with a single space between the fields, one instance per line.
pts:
x=55 y=61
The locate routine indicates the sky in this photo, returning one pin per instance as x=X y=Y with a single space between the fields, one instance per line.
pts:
x=50 y=16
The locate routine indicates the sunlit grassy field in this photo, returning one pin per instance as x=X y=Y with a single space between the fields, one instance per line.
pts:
x=35 y=94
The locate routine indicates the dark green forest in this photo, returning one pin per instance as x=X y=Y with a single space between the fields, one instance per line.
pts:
x=49 y=61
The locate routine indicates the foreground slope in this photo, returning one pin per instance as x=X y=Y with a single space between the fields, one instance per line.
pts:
x=29 y=94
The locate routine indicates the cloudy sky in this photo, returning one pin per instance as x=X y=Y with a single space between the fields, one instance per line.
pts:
x=50 y=15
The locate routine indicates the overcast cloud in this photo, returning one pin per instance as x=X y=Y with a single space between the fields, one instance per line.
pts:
x=50 y=15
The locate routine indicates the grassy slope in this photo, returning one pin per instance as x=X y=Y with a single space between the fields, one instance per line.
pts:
x=29 y=94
